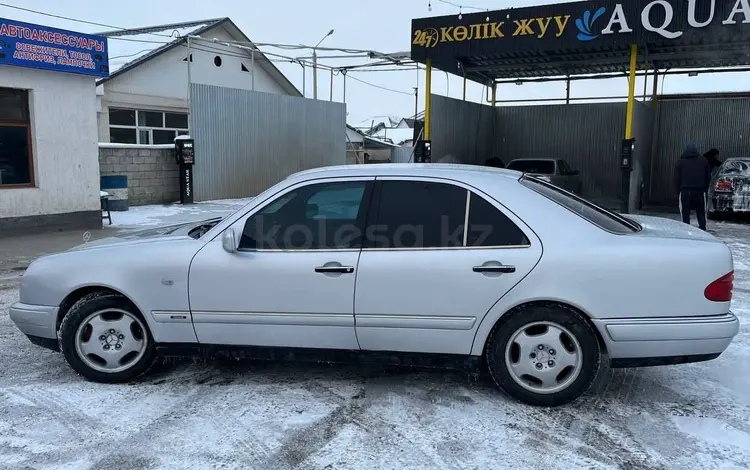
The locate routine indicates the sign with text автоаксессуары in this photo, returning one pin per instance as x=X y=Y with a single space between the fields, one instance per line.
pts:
x=58 y=50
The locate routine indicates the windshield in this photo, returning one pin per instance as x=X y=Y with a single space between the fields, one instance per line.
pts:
x=539 y=167
x=598 y=216
x=735 y=166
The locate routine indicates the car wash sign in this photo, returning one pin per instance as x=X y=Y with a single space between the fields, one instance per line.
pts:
x=579 y=25
x=30 y=45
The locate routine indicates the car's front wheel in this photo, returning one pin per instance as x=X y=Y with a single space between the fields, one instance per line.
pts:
x=545 y=355
x=105 y=339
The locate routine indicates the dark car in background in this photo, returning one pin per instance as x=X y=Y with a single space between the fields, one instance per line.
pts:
x=729 y=191
x=555 y=171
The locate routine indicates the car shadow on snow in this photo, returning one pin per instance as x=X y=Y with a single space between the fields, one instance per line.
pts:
x=611 y=385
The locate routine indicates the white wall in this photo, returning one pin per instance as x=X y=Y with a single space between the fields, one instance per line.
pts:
x=64 y=140
x=161 y=83
x=353 y=137
x=166 y=74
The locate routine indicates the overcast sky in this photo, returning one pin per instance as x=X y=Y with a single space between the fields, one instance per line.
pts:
x=383 y=25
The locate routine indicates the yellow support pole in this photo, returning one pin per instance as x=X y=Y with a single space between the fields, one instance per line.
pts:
x=631 y=92
x=464 y=85
x=494 y=94
x=428 y=99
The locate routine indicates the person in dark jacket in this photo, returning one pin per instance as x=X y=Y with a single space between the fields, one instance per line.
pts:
x=713 y=158
x=692 y=176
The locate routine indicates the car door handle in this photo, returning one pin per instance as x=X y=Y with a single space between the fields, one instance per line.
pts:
x=502 y=268
x=334 y=269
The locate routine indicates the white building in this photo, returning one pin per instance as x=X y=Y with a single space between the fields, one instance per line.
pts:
x=362 y=148
x=145 y=98
x=49 y=172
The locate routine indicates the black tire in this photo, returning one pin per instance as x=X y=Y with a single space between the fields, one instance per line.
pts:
x=566 y=317
x=86 y=306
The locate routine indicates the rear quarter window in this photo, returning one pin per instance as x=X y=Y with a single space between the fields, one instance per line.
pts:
x=598 y=216
x=735 y=167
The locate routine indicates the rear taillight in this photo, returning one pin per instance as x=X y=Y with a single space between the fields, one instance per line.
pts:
x=724 y=186
x=721 y=289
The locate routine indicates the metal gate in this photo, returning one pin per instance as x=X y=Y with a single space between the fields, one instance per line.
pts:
x=247 y=141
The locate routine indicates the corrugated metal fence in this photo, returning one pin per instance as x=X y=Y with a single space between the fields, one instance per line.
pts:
x=247 y=141
x=587 y=136
x=461 y=131
x=643 y=129
x=402 y=155
x=722 y=123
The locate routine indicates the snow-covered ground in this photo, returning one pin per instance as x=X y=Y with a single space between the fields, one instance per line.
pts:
x=190 y=415
x=155 y=215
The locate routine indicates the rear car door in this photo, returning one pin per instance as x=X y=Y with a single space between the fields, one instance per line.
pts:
x=424 y=280
x=291 y=281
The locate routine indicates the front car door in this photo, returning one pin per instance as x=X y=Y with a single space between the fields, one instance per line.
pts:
x=291 y=281
x=424 y=282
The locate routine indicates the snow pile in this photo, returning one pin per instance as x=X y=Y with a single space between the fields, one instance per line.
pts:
x=156 y=215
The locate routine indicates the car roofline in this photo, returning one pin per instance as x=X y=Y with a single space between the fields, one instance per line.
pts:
x=404 y=169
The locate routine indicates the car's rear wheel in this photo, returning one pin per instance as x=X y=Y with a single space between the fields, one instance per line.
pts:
x=105 y=339
x=544 y=355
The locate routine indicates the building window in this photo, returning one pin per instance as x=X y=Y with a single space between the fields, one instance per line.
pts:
x=130 y=126
x=16 y=160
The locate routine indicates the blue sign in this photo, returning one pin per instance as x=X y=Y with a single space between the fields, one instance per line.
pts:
x=30 y=45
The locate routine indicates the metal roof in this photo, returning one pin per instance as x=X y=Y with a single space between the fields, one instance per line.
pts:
x=589 y=37
x=148 y=50
x=602 y=61
x=196 y=28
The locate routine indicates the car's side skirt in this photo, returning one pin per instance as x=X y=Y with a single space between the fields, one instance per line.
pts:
x=629 y=362
x=471 y=364
x=466 y=363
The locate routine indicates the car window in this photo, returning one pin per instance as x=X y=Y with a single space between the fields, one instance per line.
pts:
x=418 y=214
x=490 y=227
x=319 y=216
x=539 y=167
x=279 y=203
x=336 y=203
x=596 y=215
x=736 y=167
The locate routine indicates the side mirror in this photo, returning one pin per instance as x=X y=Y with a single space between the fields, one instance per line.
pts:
x=228 y=241
x=575 y=172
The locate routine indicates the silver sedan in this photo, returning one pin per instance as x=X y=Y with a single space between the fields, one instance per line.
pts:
x=438 y=265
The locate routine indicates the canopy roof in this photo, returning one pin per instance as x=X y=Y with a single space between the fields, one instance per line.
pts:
x=587 y=37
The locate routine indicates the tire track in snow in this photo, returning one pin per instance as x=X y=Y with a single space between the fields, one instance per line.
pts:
x=385 y=390
x=586 y=430
x=198 y=399
x=303 y=444
x=79 y=424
